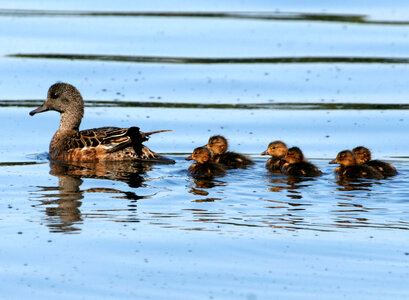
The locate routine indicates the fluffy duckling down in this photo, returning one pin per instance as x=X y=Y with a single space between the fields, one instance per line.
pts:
x=219 y=145
x=297 y=165
x=349 y=167
x=277 y=150
x=204 y=166
x=363 y=157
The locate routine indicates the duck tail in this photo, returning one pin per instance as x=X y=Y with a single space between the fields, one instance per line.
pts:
x=146 y=134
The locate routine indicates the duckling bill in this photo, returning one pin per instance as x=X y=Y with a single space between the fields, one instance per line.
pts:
x=204 y=166
x=349 y=167
x=218 y=145
x=97 y=144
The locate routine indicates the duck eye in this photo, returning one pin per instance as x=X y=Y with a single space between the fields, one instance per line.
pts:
x=54 y=95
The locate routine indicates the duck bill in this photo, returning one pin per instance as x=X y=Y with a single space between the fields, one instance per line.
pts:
x=39 y=109
x=189 y=158
x=333 y=162
x=264 y=153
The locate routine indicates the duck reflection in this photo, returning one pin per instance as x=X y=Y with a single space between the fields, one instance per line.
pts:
x=290 y=183
x=355 y=184
x=63 y=210
x=201 y=185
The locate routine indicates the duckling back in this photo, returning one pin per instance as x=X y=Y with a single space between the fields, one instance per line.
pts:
x=359 y=171
x=233 y=160
x=383 y=167
x=207 y=169
x=302 y=168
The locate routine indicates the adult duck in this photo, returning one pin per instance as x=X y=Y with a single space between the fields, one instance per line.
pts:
x=97 y=144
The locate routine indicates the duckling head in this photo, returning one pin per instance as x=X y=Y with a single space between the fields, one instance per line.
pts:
x=363 y=154
x=218 y=144
x=65 y=99
x=276 y=149
x=345 y=158
x=294 y=155
x=201 y=155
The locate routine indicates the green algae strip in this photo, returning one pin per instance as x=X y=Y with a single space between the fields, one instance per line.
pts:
x=184 y=105
x=217 y=60
x=257 y=16
x=23 y=163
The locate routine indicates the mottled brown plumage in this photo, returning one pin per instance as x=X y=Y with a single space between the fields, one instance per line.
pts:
x=277 y=150
x=97 y=144
x=218 y=145
x=296 y=165
x=204 y=166
x=349 y=167
x=363 y=157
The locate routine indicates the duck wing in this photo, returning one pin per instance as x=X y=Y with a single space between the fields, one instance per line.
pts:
x=112 y=138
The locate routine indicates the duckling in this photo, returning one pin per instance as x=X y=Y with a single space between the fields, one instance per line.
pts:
x=349 y=167
x=277 y=150
x=204 y=166
x=296 y=165
x=363 y=157
x=218 y=145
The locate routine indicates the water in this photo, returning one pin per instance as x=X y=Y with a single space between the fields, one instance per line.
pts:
x=324 y=77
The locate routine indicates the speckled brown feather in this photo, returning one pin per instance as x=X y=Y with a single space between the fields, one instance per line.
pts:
x=98 y=144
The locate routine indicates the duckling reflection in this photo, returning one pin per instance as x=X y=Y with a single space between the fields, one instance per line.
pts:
x=350 y=184
x=292 y=184
x=63 y=211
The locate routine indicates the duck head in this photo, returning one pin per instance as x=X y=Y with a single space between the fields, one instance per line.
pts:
x=276 y=149
x=201 y=155
x=217 y=144
x=363 y=155
x=345 y=158
x=294 y=155
x=65 y=99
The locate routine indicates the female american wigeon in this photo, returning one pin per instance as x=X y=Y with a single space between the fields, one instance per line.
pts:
x=363 y=157
x=204 y=166
x=349 y=167
x=98 y=144
x=297 y=165
x=218 y=145
x=277 y=150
